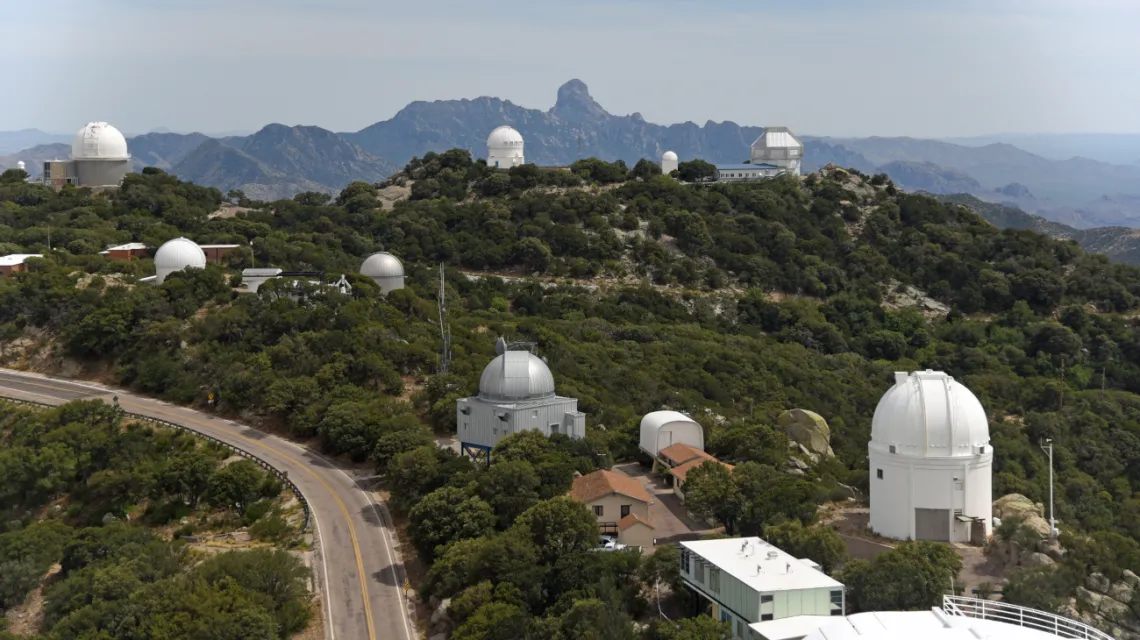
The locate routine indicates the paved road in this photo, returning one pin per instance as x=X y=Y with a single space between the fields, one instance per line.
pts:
x=361 y=572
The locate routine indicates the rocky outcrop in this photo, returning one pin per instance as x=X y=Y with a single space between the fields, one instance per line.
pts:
x=808 y=430
x=1015 y=505
x=441 y=625
x=1110 y=606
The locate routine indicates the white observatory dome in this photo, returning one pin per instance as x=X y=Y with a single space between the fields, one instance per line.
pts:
x=929 y=414
x=382 y=265
x=385 y=270
x=516 y=375
x=668 y=155
x=668 y=162
x=99 y=141
x=20 y=165
x=505 y=148
x=505 y=136
x=176 y=255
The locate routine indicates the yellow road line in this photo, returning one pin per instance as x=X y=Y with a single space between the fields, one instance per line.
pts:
x=340 y=503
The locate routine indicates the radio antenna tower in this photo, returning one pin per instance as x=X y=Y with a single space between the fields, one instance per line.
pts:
x=444 y=326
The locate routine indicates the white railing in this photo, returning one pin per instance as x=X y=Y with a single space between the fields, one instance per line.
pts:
x=1022 y=616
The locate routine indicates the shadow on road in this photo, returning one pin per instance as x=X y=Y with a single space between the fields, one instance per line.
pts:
x=370 y=515
x=318 y=461
x=384 y=576
x=253 y=434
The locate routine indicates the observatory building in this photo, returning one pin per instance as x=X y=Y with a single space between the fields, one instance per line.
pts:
x=176 y=255
x=663 y=429
x=931 y=461
x=516 y=393
x=385 y=270
x=779 y=148
x=504 y=148
x=99 y=159
x=668 y=162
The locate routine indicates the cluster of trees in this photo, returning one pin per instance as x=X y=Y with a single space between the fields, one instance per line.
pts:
x=69 y=479
x=784 y=300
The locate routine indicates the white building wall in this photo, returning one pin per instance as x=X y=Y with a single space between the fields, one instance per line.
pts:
x=505 y=157
x=733 y=594
x=910 y=483
x=389 y=284
x=482 y=426
x=669 y=165
x=659 y=432
x=801 y=602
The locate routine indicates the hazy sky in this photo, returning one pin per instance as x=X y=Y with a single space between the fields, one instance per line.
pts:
x=822 y=67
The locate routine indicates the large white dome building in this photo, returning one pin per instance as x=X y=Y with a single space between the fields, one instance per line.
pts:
x=516 y=393
x=669 y=162
x=931 y=475
x=505 y=148
x=385 y=270
x=99 y=156
x=176 y=255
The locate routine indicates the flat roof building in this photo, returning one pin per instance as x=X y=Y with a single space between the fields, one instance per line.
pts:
x=743 y=172
x=127 y=251
x=748 y=580
x=15 y=262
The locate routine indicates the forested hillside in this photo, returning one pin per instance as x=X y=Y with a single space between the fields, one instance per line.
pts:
x=93 y=515
x=733 y=302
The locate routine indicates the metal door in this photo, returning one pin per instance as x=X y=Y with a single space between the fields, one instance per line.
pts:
x=932 y=524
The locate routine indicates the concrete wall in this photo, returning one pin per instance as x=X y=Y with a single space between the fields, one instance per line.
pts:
x=910 y=483
x=864 y=549
x=101 y=173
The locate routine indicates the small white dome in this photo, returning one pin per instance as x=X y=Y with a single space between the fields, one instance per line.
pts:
x=929 y=414
x=505 y=136
x=382 y=265
x=20 y=165
x=516 y=375
x=99 y=141
x=668 y=155
x=176 y=255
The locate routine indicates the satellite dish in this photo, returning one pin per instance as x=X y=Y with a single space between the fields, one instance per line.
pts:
x=500 y=346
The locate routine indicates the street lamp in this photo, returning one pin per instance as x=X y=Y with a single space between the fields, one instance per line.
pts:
x=1048 y=448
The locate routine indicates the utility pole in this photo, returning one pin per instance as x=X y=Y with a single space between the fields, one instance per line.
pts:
x=444 y=326
x=1048 y=448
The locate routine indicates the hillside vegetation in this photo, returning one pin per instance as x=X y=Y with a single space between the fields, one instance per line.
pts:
x=733 y=302
x=92 y=512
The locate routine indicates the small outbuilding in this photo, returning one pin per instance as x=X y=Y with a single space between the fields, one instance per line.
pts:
x=661 y=429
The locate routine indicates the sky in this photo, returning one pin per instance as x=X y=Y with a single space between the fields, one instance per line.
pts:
x=921 y=68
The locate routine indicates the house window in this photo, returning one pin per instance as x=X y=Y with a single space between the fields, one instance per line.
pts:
x=764 y=599
x=685 y=560
x=837 y=597
x=714 y=579
x=765 y=617
x=553 y=427
x=624 y=510
x=699 y=574
x=958 y=486
x=725 y=616
x=740 y=628
x=879 y=474
x=598 y=510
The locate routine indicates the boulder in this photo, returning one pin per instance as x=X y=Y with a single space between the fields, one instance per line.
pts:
x=1131 y=579
x=1098 y=582
x=1121 y=593
x=1037 y=524
x=1015 y=504
x=439 y=617
x=1037 y=560
x=807 y=428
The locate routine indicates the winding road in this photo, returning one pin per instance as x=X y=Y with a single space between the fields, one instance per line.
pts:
x=358 y=567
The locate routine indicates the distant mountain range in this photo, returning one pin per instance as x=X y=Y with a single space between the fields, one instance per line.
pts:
x=279 y=161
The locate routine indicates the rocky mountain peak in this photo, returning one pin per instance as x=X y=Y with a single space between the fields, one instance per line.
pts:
x=576 y=103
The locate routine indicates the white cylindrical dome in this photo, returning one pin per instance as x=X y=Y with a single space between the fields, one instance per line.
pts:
x=668 y=162
x=20 y=165
x=385 y=270
x=505 y=148
x=176 y=255
x=929 y=414
x=99 y=141
x=516 y=375
x=662 y=429
x=930 y=462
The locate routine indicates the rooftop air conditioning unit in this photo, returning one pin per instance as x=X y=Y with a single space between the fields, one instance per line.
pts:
x=772 y=555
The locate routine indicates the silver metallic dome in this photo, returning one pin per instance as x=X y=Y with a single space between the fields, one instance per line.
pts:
x=516 y=375
x=382 y=265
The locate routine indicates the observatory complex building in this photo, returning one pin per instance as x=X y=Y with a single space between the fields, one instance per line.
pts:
x=776 y=152
x=669 y=162
x=99 y=159
x=505 y=148
x=931 y=463
x=516 y=393
x=385 y=270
